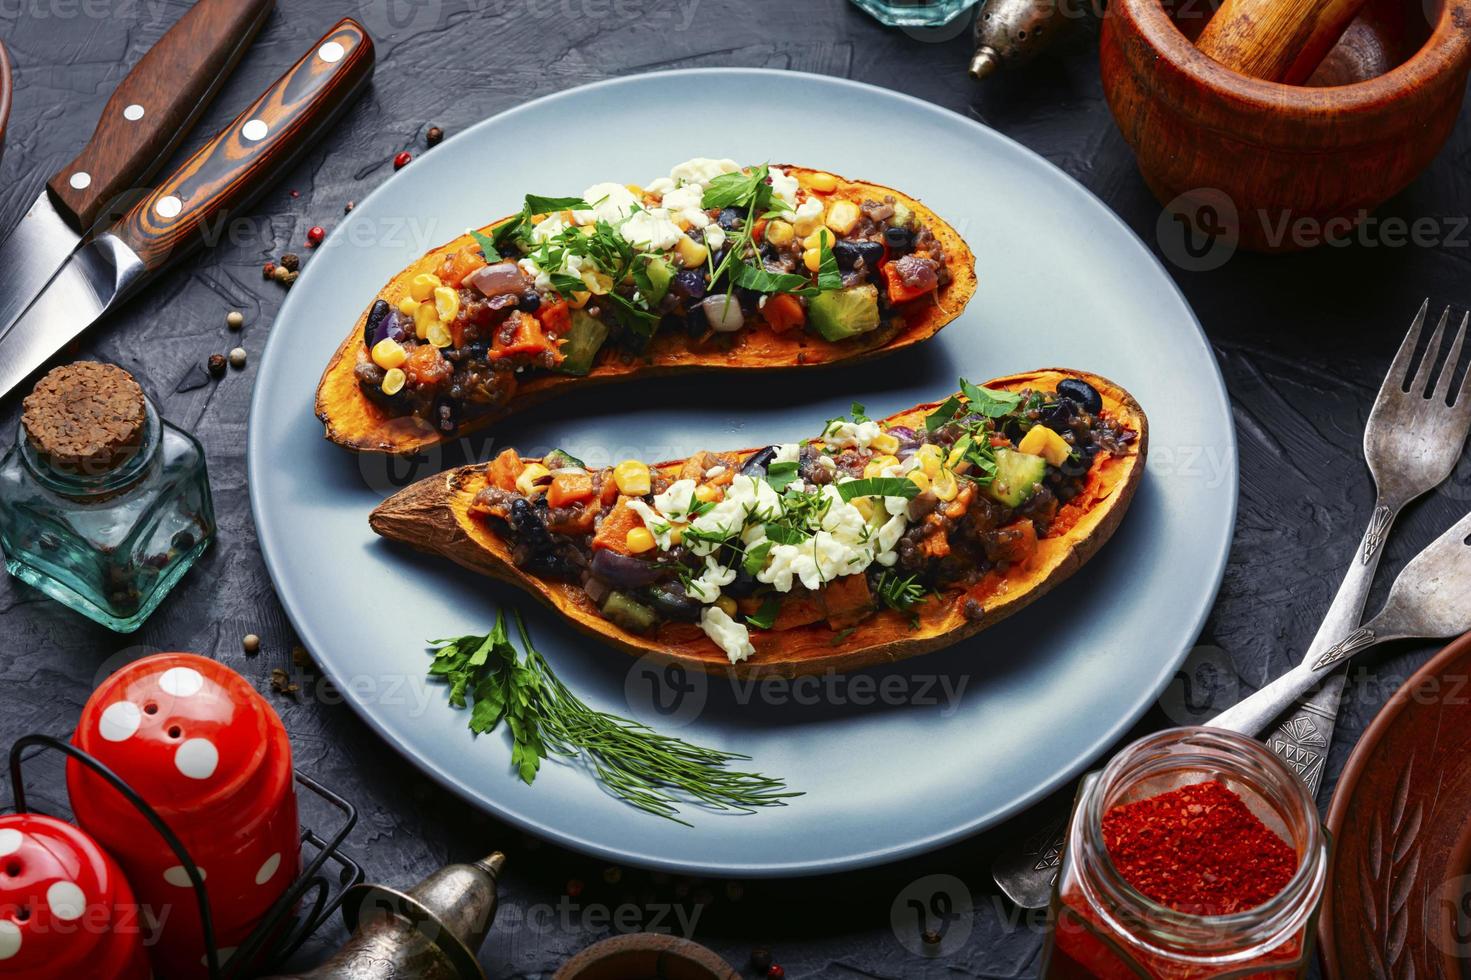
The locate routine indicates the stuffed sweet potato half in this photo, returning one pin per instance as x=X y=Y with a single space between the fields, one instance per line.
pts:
x=877 y=540
x=712 y=267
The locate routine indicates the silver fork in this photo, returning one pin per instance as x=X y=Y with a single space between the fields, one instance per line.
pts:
x=1411 y=443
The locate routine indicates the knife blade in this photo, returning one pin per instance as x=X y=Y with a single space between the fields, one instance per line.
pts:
x=143 y=123
x=225 y=175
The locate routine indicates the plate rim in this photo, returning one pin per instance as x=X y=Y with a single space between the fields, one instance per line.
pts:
x=876 y=855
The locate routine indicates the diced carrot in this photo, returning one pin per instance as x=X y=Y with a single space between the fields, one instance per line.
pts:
x=846 y=600
x=572 y=520
x=613 y=530
x=783 y=313
x=1015 y=543
x=457 y=265
x=694 y=467
x=936 y=544
x=555 y=317
x=758 y=230
x=504 y=469
x=570 y=488
x=899 y=290
x=528 y=338
x=607 y=489
x=427 y=365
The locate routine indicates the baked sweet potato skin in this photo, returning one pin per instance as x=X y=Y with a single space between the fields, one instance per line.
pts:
x=433 y=515
x=356 y=423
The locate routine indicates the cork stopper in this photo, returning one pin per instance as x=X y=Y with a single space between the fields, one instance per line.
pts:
x=85 y=418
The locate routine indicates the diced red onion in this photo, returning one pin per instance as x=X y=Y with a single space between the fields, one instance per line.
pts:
x=724 y=313
x=917 y=272
x=623 y=571
x=498 y=279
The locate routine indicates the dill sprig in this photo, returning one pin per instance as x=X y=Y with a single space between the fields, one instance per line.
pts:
x=652 y=771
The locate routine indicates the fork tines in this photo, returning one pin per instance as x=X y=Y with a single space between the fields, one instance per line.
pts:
x=1421 y=382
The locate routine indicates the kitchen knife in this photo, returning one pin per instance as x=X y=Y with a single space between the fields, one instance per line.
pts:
x=194 y=202
x=143 y=123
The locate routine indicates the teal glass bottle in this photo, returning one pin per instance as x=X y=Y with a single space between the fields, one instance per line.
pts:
x=108 y=540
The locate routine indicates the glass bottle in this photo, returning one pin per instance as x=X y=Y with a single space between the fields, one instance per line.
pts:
x=1101 y=927
x=109 y=540
x=916 y=13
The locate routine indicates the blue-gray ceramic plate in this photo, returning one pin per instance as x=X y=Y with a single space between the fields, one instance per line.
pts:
x=891 y=761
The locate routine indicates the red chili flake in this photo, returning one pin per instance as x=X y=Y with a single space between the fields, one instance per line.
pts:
x=296 y=193
x=775 y=972
x=574 y=887
x=402 y=160
x=315 y=235
x=1199 y=850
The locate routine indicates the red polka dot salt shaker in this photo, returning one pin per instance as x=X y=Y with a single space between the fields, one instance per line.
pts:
x=65 y=908
x=195 y=740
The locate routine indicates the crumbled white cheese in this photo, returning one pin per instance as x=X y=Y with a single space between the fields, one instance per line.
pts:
x=783 y=186
x=715 y=239
x=676 y=502
x=809 y=210
x=652 y=229
x=787 y=452
x=662 y=528
x=610 y=202
x=852 y=435
x=660 y=186
x=571 y=264
x=728 y=635
x=707 y=587
x=714 y=471
x=702 y=170
x=747 y=500
x=548 y=229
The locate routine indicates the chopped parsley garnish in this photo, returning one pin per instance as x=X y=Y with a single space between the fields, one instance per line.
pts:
x=942 y=415
x=781 y=475
x=765 y=617
x=900 y=594
x=989 y=402
x=487 y=246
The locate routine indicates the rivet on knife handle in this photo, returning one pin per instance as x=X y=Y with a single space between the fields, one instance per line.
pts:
x=155 y=106
x=229 y=171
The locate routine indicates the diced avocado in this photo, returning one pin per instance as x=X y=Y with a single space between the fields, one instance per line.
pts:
x=629 y=613
x=1017 y=477
x=584 y=339
x=560 y=459
x=845 y=313
x=661 y=274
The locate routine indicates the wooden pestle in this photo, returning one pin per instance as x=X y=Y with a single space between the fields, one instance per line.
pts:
x=1276 y=40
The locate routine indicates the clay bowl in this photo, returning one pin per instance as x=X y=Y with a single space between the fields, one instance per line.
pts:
x=4 y=94
x=646 y=956
x=1319 y=155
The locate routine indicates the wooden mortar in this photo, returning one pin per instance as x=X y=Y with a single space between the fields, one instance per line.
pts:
x=1287 y=156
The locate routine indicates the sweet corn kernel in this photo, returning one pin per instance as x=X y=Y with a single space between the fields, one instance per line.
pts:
x=1042 y=441
x=394 y=381
x=818 y=238
x=956 y=455
x=945 y=486
x=812 y=259
x=578 y=300
x=598 y=283
x=632 y=477
x=918 y=478
x=635 y=190
x=822 y=183
x=929 y=458
x=805 y=226
x=389 y=353
x=885 y=443
x=727 y=605
x=422 y=286
x=691 y=252
x=878 y=464
x=864 y=506
x=843 y=217
x=527 y=481
x=779 y=233
x=639 y=540
x=425 y=317
x=439 y=336
x=446 y=303
x=705 y=493
x=676 y=535
x=408 y=306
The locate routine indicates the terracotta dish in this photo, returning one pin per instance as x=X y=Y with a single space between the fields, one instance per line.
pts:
x=1399 y=902
x=646 y=956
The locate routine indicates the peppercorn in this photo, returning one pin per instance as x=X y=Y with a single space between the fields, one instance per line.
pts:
x=289 y=278
x=315 y=234
x=760 y=959
x=402 y=160
x=217 y=365
x=268 y=271
x=281 y=273
x=235 y=320
x=775 y=972
x=291 y=262
x=930 y=937
x=251 y=644
x=347 y=208
x=434 y=136
x=574 y=887
x=237 y=358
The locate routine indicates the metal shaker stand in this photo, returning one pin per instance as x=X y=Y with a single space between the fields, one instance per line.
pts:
x=269 y=942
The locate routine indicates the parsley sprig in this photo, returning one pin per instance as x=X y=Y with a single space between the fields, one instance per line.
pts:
x=652 y=771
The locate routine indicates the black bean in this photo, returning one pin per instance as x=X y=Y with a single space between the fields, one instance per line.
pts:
x=530 y=301
x=730 y=219
x=898 y=239
x=375 y=317
x=1081 y=392
x=848 y=254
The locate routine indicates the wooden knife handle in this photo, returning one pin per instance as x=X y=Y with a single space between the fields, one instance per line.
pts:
x=194 y=202
x=1278 y=40
x=156 y=105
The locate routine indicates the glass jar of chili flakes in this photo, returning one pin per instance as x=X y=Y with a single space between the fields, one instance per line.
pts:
x=1195 y=853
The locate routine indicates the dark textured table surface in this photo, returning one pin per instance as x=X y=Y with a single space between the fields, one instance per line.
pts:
x=1303 y=341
